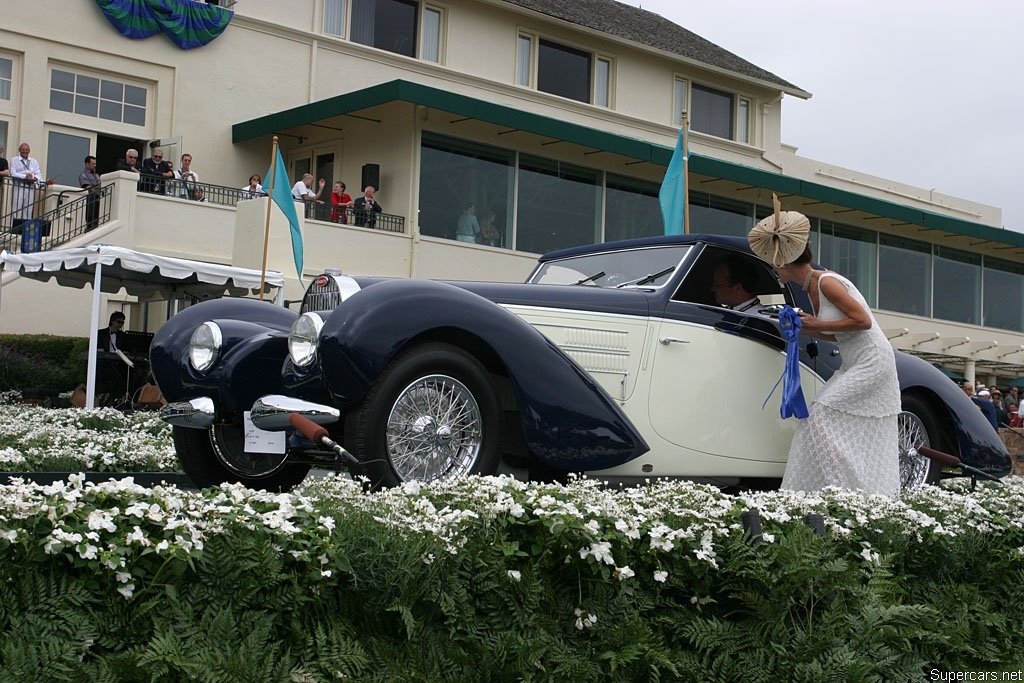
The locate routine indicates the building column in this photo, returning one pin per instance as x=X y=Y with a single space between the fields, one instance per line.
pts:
x=969 y=370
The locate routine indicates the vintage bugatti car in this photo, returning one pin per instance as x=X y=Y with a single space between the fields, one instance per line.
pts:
x=612 y=359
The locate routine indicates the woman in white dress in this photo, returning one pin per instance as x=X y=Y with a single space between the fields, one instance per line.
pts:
x=850 y=438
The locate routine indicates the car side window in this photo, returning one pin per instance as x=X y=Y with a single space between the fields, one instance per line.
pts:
x=698 y=286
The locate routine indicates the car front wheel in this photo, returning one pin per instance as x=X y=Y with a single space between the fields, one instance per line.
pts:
x=918 y=426
x=214 y=456
x=432 y=415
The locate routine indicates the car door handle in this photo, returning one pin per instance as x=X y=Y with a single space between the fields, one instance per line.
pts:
x=669 y=340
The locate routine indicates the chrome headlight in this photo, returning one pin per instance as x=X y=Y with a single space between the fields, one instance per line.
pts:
x=204 y=347
x=303 y=338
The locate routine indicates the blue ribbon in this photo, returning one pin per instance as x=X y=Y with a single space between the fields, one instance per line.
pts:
x=793 y=404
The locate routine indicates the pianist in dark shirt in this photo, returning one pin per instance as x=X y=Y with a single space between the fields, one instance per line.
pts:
x=107 y=338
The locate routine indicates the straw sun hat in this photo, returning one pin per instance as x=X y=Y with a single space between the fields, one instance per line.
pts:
x=780 y=238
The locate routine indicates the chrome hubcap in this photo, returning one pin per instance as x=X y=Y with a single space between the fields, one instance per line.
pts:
x=913 y=465
x=434 y=430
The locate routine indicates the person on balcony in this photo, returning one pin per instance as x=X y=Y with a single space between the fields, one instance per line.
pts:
x=341 y=202
x=28 y=176
x=188 y=177
x=253 y=189
x=130 y=162
x=89 y=180
x=155 y=170
x=367 y=208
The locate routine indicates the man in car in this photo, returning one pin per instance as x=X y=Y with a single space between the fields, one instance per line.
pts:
x=733 y=282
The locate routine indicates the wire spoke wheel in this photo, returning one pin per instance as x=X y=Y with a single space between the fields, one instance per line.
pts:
x=434 y=430
x=914 y=467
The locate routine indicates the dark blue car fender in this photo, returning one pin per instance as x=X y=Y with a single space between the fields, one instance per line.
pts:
x=979 y=445
x=254 y=347
x=567 y=420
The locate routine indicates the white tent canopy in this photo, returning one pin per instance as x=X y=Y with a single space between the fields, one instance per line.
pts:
x=111 y=269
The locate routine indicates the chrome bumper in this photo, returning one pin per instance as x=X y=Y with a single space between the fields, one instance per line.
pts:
x=271 y=412
x=199 y=413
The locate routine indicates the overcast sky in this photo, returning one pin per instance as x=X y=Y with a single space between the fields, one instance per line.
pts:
x=924 y=92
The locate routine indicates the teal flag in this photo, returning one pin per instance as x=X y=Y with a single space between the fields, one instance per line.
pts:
x=672 y=195
x=281 y=194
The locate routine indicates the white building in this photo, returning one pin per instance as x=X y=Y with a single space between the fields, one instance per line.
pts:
x=556 y=116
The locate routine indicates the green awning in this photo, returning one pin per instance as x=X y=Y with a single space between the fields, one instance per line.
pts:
x=502 y=115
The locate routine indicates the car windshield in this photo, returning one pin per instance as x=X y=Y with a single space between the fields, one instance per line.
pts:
x=644 y=267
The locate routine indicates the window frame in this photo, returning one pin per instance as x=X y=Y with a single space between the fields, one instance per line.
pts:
x=741 y=131
x=116 y=79
x=347 y=7
x=531 y=62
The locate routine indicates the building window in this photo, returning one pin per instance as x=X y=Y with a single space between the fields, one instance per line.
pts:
x=6 y=76
x=3 y=135
x=904 y=275
x=602 y=83
x=719 y=215
x=334 y=18
x=559 y=205
x=712 y=112
x=957 y=286
x=1003 y=295
x=679 y=100
x=852 y=252
x=524 y=60
x=97 y=97
x=392 y=25
x=743 y=120
x=564 y=71
x=631 y=208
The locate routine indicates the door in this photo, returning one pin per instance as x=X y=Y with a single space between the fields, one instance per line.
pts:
x=66 y=149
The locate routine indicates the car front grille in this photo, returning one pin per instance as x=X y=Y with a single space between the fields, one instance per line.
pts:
x=322 y=295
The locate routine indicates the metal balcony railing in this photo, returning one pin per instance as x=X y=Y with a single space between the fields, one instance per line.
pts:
x=385 y=222
x=187 y=189
x=77 y=213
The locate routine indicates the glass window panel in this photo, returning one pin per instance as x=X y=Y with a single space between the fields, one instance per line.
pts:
x=386 y=24
x=135 y=95
x=5 y=89
x=558 y=205
x=469 y=173
x=678 y=101
x=6 y=68
x=524 y=48
x=431 y=35
x=62 y=80
x=1003 y=295
x=602 y=91
x=563 y=71
x=904 y=276
x=851 y=252
x=86 y=106
x=134 y=115
x=64 y=155
x=62 y=101
x=334 y=17
x=631 y=208
x=112 y=90
x=111 y=111
x=720 y=216
x=712 y=112
x=3 y=135
x=87 y=85
x=957 y=286
x=743 y=121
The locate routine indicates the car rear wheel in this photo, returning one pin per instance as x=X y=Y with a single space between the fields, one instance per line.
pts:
x=432 y=415
x=217 y=455
x=918 y=426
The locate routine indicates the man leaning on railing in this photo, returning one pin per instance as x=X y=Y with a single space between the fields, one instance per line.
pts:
x=89 y=180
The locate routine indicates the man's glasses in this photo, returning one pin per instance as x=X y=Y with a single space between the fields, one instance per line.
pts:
x=156 y=158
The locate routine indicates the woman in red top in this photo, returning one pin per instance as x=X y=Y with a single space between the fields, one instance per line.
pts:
x=340 y=201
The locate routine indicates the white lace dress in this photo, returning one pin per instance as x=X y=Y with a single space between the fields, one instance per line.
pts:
x=850 y=437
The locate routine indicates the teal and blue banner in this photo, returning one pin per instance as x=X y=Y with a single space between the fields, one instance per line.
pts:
x=187 y=23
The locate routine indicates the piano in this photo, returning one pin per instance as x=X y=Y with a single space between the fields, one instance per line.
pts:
x=115 y=380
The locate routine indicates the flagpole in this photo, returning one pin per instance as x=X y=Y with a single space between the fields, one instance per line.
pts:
x=686 y=173
x=270 y=202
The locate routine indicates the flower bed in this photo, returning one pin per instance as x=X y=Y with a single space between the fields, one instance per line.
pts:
x=487 y=579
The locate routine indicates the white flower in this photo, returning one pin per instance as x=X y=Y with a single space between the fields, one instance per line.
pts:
x=660 y=576
x=624 y=573
x=326 y=573
x=514 y=574
x=127 y=590
x=327 y=522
